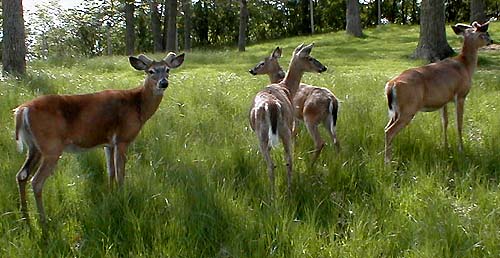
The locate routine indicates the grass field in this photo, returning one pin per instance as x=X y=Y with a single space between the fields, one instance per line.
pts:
x=196 y=185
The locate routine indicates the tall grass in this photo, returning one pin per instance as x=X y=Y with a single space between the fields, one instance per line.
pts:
x=196 y=185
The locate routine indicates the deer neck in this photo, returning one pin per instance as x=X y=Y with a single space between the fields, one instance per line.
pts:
x=468 y=55
x=292 y=79
x=149 y=103
x=277 y=76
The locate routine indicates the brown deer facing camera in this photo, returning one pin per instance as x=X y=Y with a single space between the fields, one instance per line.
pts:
x=313 y=105
x=272 y=112
x=52 y=124
x=431 y=87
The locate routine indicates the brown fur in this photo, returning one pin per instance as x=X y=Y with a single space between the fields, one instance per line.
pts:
x=281 y=95
x=52 y=124
x=311 y=104
x=431 y=87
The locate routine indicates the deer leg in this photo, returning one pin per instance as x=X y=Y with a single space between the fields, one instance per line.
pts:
x=120 y=160
x=265 y=150
x=23 y=175
x=459 y=106
x=46 y=169
x=444 y=121
x=287 y=145
x=110 y=164
x=318 y=142
x=391 y=130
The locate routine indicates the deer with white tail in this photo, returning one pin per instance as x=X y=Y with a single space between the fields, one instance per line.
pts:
x=271 y=114
x=433 y=86
x=313 y=105
x=52 y=124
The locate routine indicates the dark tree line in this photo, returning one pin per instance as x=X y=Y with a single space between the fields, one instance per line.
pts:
x=99 y=27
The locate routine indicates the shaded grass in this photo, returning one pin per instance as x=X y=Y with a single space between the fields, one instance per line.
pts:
x=197 y=187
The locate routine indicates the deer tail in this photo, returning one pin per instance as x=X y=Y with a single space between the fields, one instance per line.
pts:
x=273 y=112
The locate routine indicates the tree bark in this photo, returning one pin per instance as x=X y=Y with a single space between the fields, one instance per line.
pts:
x=14 y=46
x=311 y=7
x=109 y=41
x=477 y=11
x=186 y=5
x=242 y=39
x=432 y=45
x=165 y=25
x=130 y=28
x=172 y=25
x=156 y=26
x=353 y=19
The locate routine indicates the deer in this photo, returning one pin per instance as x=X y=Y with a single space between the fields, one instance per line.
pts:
x=431 y=87
x=272 y=114
x=52 y=124
x=312 y=105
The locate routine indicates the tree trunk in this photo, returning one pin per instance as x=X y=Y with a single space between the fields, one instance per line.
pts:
x=156 y=26
x=109 y=41
x=165 y=25
x=477 y=11
x=311 y=7
x=243 y=25
x=172 y=25
x=130 y=28
x=353 y=19
x=432 y=45
x=14 y=47
x=186 y=5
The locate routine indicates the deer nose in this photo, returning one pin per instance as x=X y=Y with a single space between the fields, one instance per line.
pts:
x=252 y=72
x=323 y=69
x=163 y=83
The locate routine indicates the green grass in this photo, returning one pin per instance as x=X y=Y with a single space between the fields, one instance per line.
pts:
x=196 y=185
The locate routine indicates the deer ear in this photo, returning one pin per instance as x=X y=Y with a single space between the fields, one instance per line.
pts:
x=298 y=48
x=173 y=60
x=484 y=27
x=306 y=51
x=276 y=53
x=137 y=63
x=460 y=28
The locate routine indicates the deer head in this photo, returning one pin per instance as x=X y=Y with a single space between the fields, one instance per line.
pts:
x=156 y=71
x=303 y=59
x=270 y=65
x=476 y=33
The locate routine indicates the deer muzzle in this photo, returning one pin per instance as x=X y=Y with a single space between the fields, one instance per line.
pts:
x=163 y=84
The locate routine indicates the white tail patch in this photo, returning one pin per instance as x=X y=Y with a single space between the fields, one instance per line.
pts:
x=273 y=137
x=330 y=110
x=393 y=110
x=21 y=134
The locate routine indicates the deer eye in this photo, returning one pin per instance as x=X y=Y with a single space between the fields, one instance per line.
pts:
x=151 y=71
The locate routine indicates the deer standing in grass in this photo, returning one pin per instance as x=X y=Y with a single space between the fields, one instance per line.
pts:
x=52 y=124
x=271 y=114
x=431 y=87
x=313 y=105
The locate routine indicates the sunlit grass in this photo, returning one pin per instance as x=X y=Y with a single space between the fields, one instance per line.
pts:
x=196 y=185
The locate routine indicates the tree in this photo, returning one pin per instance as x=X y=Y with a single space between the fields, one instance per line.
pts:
x=311 y=9
x=432 y=44
x=14 y=48
x=243 y=25
x=130 y=28
x=156 y=26
x=186 y=6
x=478 y=11
x=172 y=25
x=353 y=18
